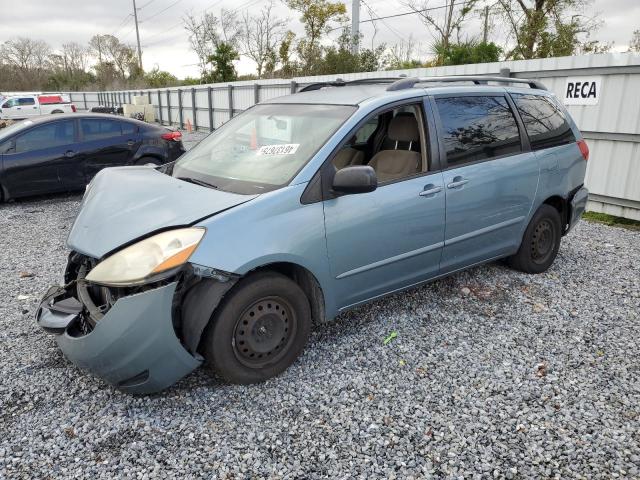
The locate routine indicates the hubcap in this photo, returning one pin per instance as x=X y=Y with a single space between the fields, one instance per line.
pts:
x=543 y=241
x=264 y=331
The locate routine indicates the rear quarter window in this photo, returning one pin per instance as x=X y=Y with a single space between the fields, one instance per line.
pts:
x=477 y=128
x=544 y=120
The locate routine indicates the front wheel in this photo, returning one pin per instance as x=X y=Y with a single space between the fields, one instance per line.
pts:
x=259 y=330
x=540 y=242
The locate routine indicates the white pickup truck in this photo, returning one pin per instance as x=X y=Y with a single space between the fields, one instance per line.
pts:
x=25 y=106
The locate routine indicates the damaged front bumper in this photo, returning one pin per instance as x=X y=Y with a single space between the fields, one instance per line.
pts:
x=133 y=346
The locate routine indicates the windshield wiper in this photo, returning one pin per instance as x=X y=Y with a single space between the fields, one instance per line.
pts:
x=197 y=181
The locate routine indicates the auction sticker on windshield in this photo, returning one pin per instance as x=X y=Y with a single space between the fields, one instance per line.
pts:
x=283 y=149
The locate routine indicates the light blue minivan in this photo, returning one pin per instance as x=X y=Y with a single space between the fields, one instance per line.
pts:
x=305 y=206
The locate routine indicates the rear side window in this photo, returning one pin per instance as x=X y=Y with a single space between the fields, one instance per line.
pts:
x=96 y=129
x=26 y=101
x=545 y=122
x=477 y=128
x=49 y=135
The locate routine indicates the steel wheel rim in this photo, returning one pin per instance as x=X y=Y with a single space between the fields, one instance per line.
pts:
x=264 y=331
x=543 y=241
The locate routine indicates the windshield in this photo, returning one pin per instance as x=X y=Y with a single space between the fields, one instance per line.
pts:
x=263 y=148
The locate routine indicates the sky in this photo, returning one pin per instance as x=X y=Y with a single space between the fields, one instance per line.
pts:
x=165 y=42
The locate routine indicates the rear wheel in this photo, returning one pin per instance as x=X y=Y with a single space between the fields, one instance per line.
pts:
x=148 y=161
x=540 y=242
x=259 y=330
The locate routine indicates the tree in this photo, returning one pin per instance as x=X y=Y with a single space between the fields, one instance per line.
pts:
x=338 y=58
x=400 y=55
x=208 y=32
x=289 y=67
x=260 y=37
x=28 y=59
x=317 y=17
x=634 y=44
x=222 y=62
x=122 y=57
x=157 y=78
x=545 y=28
x=454 y=15
x=470 y=51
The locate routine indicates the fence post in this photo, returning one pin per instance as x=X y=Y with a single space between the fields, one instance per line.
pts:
x=210 y=105
x=149 y=95
x=169 y=106
x=256 y=93
x=230 y=101
x=294 y=86
x=194 y=109
x=84 y=97
x=160 y=107
x=180 y=108
x=130 y=96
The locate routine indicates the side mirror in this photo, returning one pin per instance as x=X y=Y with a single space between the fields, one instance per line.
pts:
x=358 y=179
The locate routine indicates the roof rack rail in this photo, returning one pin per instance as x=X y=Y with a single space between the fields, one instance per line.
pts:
x=405 y=83
x=338 y=82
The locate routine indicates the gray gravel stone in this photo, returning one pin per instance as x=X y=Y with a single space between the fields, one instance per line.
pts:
x=458 y=394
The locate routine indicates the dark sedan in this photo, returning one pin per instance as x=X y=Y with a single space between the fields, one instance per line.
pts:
x=64 y=152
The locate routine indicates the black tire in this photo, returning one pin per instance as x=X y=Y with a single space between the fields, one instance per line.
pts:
x=57 y=111
x=540 y=242
x=148 y=161
x=259 y=330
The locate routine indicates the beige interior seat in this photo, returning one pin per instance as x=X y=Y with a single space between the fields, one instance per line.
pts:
x=394 y=164
x=348 y=157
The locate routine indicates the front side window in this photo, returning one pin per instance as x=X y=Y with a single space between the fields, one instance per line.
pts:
x=263 y=148
x=49 y=135
x=477 y=128
x=543 y=120
x=26 y=101
x=96 y=129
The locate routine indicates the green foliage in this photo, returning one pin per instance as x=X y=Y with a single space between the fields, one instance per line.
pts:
x=316 y=17
x=611 y=220
x=159 y=78
x=463 y=53
x=221 y=61
x=189 y=81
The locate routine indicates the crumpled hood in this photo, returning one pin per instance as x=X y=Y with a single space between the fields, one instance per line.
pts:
x=125 y=203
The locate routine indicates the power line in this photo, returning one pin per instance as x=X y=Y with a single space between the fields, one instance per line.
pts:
x=161 y=11
x=146 y=4
x=121 y=24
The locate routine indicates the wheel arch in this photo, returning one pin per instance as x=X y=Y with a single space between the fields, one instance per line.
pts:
x=305 y=279
x=562 y=206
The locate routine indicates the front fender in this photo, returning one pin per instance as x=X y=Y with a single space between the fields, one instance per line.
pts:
x=275 y=228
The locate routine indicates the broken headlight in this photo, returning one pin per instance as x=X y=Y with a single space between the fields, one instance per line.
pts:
x=146 y=260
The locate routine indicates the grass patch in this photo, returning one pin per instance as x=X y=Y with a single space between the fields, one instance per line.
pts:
x=611 y=220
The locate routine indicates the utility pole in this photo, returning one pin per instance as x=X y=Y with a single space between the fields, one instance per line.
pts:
x=355 y=26
x=135 y=17
x=486 y=24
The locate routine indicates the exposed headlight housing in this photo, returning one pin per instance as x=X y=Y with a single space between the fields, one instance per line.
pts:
x=146 y=260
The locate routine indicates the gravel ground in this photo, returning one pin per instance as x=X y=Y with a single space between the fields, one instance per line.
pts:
x=493 y=373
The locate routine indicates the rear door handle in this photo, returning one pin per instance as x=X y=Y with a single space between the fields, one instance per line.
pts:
x=429 y=190
x=131 y=143
x=70 y=154
x=457 y=182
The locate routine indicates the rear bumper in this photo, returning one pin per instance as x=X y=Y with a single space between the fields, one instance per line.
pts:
x=578 y=206
x=133 y=347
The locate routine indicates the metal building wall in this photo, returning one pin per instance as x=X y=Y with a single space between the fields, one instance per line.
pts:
x=612 y=127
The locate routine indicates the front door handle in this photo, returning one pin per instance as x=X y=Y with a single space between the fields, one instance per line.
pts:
x=429 y=190
x=457 y=182
x=70 y=154
x=131 y=143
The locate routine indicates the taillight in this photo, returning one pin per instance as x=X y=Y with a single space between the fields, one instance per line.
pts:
x=584 y=149
x=73 y=108
x=175 y=136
